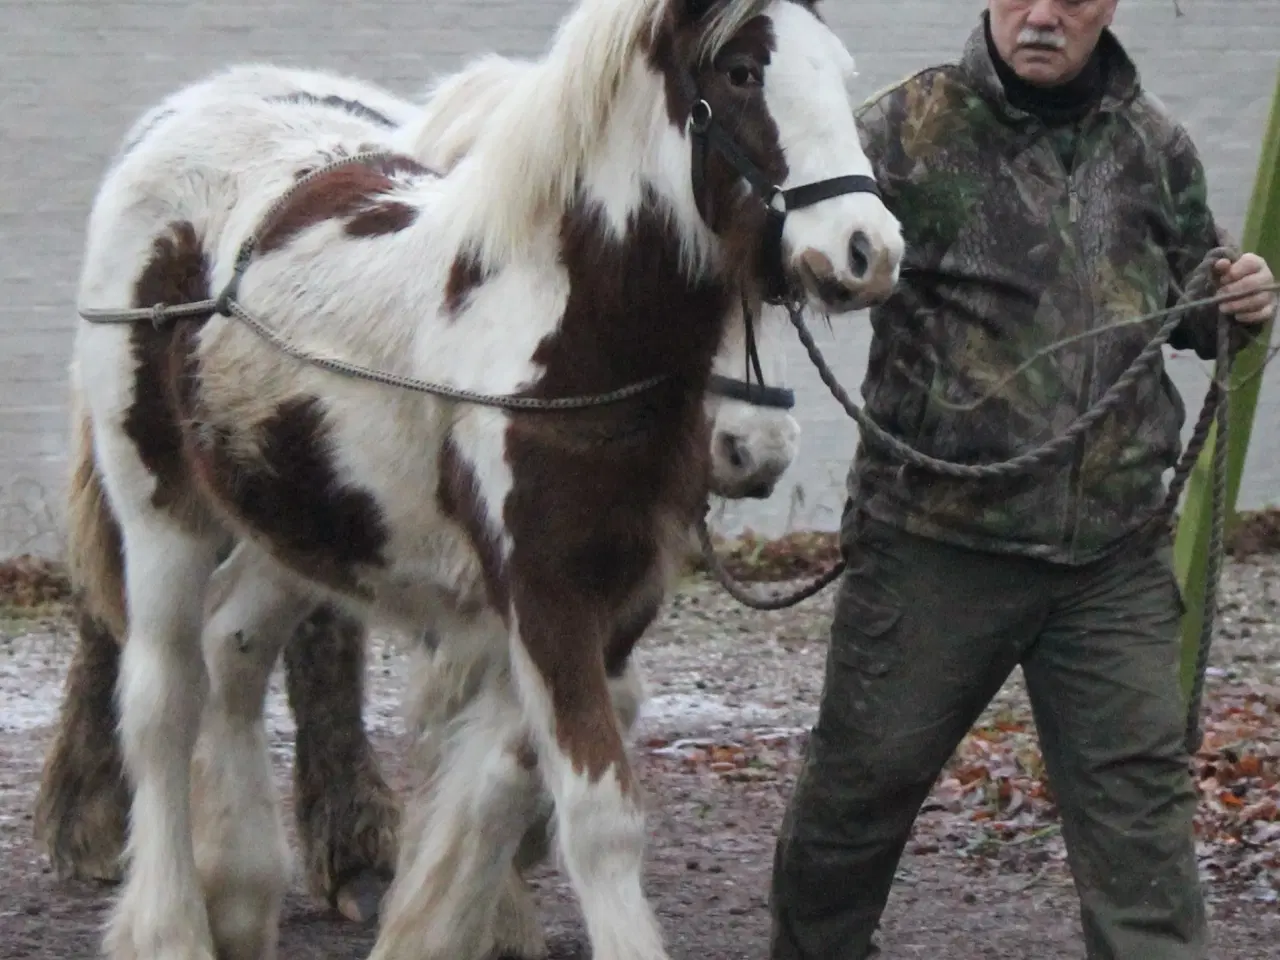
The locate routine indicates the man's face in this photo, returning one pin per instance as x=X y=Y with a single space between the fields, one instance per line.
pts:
x=1048 y=42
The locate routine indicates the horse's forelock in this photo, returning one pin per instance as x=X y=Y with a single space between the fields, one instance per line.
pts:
x=724 y=23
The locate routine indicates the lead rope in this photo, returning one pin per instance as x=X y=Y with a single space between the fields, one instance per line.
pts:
x=1214 y=411
x=1217 y=536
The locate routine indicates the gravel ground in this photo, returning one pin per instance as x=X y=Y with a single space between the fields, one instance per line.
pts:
x=725 y=682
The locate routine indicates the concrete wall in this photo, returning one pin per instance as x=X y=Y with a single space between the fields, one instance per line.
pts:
x=76 y=72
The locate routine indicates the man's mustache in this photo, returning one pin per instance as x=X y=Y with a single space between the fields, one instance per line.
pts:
x=1035 y=37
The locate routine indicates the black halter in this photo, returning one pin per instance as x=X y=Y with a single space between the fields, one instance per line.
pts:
x=705 y=134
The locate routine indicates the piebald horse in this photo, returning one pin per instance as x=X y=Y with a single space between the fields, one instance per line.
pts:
x=345 y=815
x=591 y=240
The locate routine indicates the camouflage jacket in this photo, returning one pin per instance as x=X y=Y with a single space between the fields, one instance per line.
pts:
x=1019 y=235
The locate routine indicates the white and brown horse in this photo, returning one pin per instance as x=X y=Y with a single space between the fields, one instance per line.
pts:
x=346 y=817
x=594 y=236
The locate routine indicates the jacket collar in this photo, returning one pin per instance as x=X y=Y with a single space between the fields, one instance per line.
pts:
x=1123 y=83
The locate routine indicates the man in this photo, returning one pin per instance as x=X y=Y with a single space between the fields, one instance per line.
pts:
x=1044 y=194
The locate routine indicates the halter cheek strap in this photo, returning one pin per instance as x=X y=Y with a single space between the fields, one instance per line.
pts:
x=705 y=134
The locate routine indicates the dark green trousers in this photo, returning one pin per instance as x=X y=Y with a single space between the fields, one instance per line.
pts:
x=924 y=635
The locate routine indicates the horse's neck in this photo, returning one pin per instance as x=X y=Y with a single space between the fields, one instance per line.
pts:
x=639 y=185
x=642 y=162
x=535 y=156
x=626 y=227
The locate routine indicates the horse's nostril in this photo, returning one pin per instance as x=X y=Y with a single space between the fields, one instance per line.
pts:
x=734 y=452
x=860 y=254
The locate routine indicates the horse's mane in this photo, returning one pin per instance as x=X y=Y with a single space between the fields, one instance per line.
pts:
x=456 y=107
x=530 y=154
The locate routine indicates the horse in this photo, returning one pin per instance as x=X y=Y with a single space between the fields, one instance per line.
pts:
x=345 y=815
x=662 y=160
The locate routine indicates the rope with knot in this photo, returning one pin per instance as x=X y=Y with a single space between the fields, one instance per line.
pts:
x=1198 y=292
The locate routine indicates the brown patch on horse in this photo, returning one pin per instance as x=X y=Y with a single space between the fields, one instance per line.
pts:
x=289 y=491
x=177 y=273
x=350 y=192
x=458 y=493
x=465 y=274
x=594 y=490
x=381 y=219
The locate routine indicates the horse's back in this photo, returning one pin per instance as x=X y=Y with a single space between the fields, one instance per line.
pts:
x=217 y=153
x=195 y=175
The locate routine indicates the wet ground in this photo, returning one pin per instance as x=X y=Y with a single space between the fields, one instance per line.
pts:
x=732 y=692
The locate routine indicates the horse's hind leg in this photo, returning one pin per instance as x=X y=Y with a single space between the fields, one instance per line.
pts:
x=347 y=817
x=82 y=809
x=241 y=852
x=160 y=914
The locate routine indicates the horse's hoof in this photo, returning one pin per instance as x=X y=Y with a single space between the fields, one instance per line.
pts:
x=360 y=897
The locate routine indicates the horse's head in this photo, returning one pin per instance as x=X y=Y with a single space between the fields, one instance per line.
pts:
x=763 y=89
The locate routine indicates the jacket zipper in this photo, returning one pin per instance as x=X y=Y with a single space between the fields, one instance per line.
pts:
x=1086 y=381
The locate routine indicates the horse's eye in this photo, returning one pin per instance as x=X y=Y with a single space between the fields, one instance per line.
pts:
x=744 y=75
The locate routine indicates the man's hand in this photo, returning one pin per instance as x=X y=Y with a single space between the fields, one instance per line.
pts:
x=1248 y=275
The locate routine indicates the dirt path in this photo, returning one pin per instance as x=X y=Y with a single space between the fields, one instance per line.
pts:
x=732 y=691
x=708 y=873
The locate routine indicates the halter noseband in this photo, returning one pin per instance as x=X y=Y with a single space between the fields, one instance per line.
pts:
x=705 y=134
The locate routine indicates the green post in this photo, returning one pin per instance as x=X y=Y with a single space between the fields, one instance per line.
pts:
x=1261 y=236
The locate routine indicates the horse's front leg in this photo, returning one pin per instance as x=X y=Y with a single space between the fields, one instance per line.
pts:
x=558 y=662
x=517 y=928
x=347 y=818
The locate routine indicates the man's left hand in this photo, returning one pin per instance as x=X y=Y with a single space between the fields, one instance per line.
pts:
x=1248 y=275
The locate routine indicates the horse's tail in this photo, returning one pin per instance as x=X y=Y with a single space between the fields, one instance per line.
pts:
x=95 y=561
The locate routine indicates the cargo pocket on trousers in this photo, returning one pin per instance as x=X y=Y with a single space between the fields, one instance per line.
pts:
x=862 y=627
x=864 y=652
